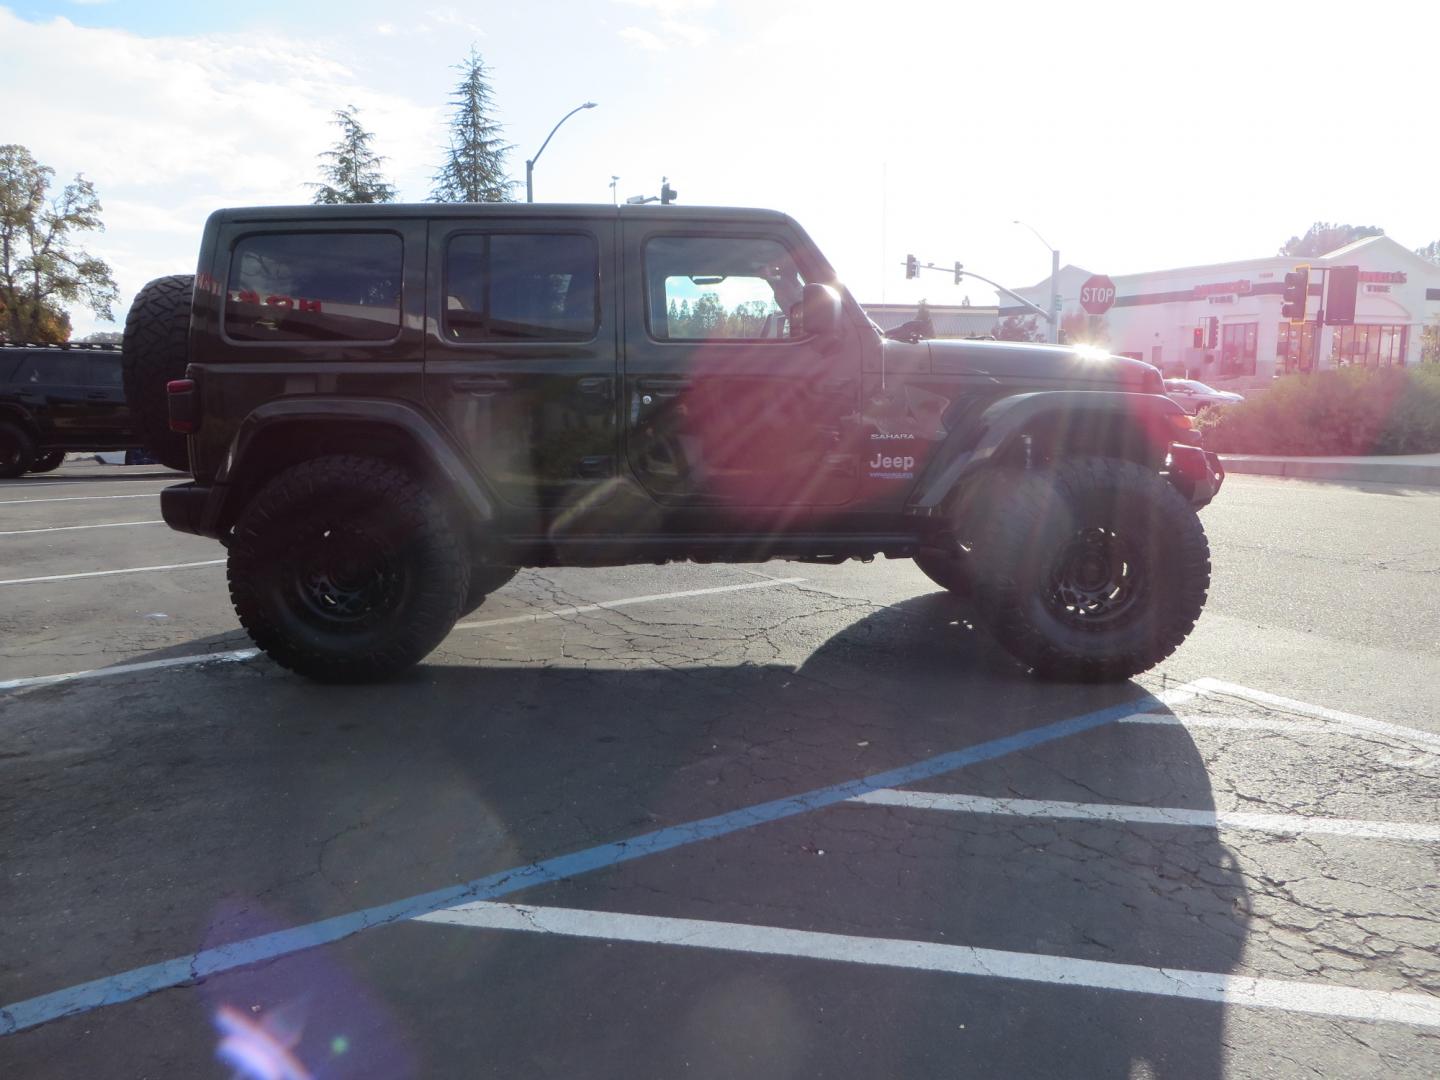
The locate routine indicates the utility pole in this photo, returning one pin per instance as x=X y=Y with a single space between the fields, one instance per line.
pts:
x=1054 y=282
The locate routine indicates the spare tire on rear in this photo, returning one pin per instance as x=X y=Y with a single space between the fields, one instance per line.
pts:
x=155 y=351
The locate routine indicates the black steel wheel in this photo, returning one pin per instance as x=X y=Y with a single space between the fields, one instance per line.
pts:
x=1092 y=571
x=17 y=451
x=345 y=569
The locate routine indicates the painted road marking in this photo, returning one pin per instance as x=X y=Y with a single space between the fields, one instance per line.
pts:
x=1285 y=824
x=1215 y=688
x=1300 y=997
x=86 y=481
x=239 y=655
x=1285 y=725
x=606 y=605
x=233 y=656
x=111 y=573
x=72 y=528
x=79 y=498
x=128 y=985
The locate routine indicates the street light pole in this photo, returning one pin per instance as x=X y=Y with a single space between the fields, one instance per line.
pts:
x=530 y=165
x=1054 y=282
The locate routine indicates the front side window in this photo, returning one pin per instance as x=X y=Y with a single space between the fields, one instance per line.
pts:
x=521 y=287
x=329 y=286
x=708 y=288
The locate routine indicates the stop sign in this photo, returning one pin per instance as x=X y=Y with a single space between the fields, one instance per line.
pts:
x=1097 y=294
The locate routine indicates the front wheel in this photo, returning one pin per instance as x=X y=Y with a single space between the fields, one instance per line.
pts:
x=1092 y=571
x=950 y=572
x=344 y=569
x=16 y=451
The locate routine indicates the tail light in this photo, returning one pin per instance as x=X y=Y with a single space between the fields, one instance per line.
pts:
x=1182 y=426
x=184 y=412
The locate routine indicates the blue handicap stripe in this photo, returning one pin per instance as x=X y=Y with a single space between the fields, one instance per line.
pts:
x=136 y=983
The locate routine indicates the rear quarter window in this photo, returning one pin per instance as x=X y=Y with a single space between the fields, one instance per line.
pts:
x=318 y=286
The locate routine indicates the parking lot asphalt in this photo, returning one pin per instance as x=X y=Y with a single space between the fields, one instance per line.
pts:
x=773 y=820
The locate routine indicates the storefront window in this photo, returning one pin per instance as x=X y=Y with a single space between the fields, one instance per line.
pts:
x=1238 y=343
x=1295 y=347
x=1365 y=345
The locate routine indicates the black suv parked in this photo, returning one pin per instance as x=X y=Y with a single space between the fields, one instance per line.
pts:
x=391 y=408
x=55 y=398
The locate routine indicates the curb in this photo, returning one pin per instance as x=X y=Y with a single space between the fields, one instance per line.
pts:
x=1366 y=472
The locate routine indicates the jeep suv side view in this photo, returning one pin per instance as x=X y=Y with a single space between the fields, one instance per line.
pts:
x=389 y=409
x=56 y=398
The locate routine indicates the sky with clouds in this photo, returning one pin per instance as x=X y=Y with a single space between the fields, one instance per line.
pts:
x=1134 y=136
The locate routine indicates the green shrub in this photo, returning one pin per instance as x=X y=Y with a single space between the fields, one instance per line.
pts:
x=1345 y=412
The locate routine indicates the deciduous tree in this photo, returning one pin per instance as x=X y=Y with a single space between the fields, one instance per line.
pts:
x=42 y=268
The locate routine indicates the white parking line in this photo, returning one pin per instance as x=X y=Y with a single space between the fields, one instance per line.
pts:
x=72 y=528
x=111 y=573
x=80 y=498
x=1285 y=824
x=1300 y=997
x=129 y=669
x=1217 y=688
x=249 y=654
x=606 y=605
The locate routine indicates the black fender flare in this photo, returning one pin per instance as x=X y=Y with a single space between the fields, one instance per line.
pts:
x=977 y=444
x=441 y=458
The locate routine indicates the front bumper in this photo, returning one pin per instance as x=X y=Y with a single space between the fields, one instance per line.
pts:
x=188 y=508
x=1197 y=474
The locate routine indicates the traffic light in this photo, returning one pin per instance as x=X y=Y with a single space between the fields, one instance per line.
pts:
x=959 y=272
x=1199 y=337
x=1212 y=331
x=1297 y=290
x=1340 y=295
x=912 y=267
x=667 y=193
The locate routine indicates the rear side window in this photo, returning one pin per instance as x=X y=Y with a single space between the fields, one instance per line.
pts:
x=102 y=371
x=54 y=369
x=326 y=286
x=521 y=287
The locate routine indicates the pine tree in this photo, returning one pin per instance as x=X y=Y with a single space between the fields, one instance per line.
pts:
x=474 y=169
x=352 y=169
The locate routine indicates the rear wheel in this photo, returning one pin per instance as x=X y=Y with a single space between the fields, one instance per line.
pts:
x=154 y=352
x=48 y=462
x=17 y=451
x=344 y=569
x=1092 y=571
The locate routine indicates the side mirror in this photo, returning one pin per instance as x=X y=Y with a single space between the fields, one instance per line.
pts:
x=819 y=310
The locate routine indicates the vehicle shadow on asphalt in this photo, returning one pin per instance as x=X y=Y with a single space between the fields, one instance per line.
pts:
x=235 y=799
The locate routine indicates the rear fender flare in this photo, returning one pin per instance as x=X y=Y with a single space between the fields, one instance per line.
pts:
x=306 y=416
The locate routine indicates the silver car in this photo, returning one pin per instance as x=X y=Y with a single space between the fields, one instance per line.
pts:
x=1195 y=397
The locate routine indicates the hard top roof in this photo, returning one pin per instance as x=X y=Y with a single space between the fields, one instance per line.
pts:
x=390 y=211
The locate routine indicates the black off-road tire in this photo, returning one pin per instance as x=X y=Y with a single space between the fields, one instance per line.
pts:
x=949 y=572
x=344 y=569
x=1092 y=571
x=17 y=451
x=154 y=352
x=485 y=578
x=47 y=462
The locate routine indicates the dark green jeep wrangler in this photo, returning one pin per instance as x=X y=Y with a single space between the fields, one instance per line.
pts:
x=389 y=409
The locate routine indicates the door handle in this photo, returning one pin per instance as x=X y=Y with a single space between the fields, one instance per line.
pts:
x=596 y=385
x=674 y=384
x=481 y=384
x=100 y=396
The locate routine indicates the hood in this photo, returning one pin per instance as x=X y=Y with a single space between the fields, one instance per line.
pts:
x=1061 y=364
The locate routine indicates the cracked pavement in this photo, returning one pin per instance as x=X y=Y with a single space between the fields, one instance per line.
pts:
x=147 y=817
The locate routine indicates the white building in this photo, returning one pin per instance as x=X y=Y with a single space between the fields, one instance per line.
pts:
x=1156 y=315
